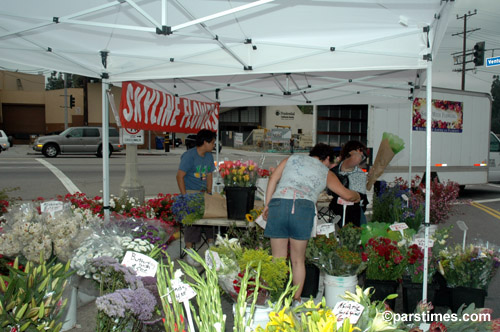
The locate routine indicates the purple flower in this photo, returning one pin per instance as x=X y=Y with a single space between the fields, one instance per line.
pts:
x=139 y=302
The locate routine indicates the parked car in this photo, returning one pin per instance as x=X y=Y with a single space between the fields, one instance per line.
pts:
x=77 y=140
x=190 y=142
x=4 y=141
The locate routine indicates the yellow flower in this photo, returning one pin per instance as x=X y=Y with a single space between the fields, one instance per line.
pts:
x=249 y=217
x=280 y=319
x=246 y=177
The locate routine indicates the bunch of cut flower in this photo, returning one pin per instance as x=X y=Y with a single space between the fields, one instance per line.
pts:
x=112 y=239
x=253 y=215
x=473 y=266
x=415 y=257
x=31 y=298
x=127 y=302
x=338 y=257
x=29 y=233
x=234 y=262
x=385 y=259
x=188 y=208
x=238 y=173
x=395 y=202
x=381 y=229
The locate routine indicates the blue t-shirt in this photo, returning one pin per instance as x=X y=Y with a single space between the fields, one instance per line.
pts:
x=197 y=169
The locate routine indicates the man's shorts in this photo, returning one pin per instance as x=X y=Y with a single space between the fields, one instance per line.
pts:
x=282 y=223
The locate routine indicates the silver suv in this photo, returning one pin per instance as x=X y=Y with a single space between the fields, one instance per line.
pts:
x=77 y=140
x=4 y=141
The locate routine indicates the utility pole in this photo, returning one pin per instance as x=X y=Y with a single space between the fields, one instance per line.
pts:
x=65 y=101
x=464 y=47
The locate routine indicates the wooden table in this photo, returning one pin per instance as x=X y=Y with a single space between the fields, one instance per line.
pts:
x=218 y=222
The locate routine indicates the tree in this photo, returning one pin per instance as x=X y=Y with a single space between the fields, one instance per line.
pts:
x=495 y=108
x=55 y=81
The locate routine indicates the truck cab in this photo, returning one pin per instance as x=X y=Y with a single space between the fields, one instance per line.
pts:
x=494 y=159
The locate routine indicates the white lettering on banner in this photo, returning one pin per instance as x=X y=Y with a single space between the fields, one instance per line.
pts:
x=149 y=109
x=127 y=112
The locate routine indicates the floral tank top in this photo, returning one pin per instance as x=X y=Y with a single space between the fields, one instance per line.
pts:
x=304 y=177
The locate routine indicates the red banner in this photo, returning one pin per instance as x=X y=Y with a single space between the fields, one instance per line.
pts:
x=145 y=108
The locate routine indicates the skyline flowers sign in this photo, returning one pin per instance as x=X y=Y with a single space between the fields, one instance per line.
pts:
x=447 y=116
x=142 y=107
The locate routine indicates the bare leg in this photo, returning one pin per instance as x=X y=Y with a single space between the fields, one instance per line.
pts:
x=298 y=258
x=279 y=247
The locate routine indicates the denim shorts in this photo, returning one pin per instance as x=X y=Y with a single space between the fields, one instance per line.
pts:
x=282 y=223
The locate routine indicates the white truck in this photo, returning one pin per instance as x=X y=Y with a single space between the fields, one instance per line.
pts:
x=463 y=149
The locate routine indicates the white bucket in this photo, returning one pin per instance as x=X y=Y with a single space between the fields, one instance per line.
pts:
x=336 y=287
x=260 y=316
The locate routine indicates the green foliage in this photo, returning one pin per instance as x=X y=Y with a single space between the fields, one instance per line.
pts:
x=473 y=267
x=31 y=298
x=274 y=271
x=340 y=257
x=250 y=237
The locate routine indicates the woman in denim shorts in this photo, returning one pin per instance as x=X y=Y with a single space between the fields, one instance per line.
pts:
x=291 y=196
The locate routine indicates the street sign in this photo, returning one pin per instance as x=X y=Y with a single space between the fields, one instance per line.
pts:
x=490 y=62
x=132 y=136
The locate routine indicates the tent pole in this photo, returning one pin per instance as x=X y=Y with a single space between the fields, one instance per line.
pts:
x=105 y=149
x=427 y=177
x=410 y=150
x=315 y=124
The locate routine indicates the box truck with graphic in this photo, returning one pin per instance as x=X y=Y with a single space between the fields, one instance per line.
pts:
x=463 y=149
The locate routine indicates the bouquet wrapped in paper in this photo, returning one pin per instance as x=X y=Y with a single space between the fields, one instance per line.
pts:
x=389 y=147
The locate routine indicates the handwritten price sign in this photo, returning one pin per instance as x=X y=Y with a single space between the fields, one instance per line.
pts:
x=325 y=229
x=348 y=309
x=341 y=201
x=183 y=292
x=51 y=207
x=143 y=265
x=398 y=226
x=421 y=242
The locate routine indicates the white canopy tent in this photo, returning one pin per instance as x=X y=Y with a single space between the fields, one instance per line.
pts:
x=237 y=52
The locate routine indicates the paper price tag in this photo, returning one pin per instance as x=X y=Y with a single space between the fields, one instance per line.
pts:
x=261 y=222
x=51 y=207
x=143 y=265
x=325 y=229
x=421 y=242
x=341 y=201
x=398 y=226
x=348 y=309
x=212 y=258
x=404 y=197
x=183 y=292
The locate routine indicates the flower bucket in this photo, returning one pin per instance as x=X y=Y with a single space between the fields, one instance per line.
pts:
x=311 y=283
x=240 y=200
x=467 y=295
x=260 y=315
x=69 y=312
x=383 y=288
x=412 y=294
x=336 y=287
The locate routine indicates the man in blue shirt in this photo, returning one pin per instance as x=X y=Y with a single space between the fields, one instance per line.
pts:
x=194 y=175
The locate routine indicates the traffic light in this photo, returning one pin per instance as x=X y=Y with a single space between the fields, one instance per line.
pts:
x=479 y=54
x=71 y=101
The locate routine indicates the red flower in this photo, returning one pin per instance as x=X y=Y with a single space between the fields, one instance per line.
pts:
x=437 y=327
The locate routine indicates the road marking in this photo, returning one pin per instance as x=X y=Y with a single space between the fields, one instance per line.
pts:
x=70 y=186
x=488 y=200
x=487 y=209
x=494 y=185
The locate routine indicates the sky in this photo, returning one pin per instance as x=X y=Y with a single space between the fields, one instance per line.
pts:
x=487 y=19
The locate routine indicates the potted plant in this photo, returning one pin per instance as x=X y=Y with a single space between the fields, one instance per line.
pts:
x=239 y=185
x=386 y=263
x=468 y=272
x=339 y=258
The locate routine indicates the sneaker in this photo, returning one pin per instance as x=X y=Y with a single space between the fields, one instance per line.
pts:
x=296 y=303
x=190 y=260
